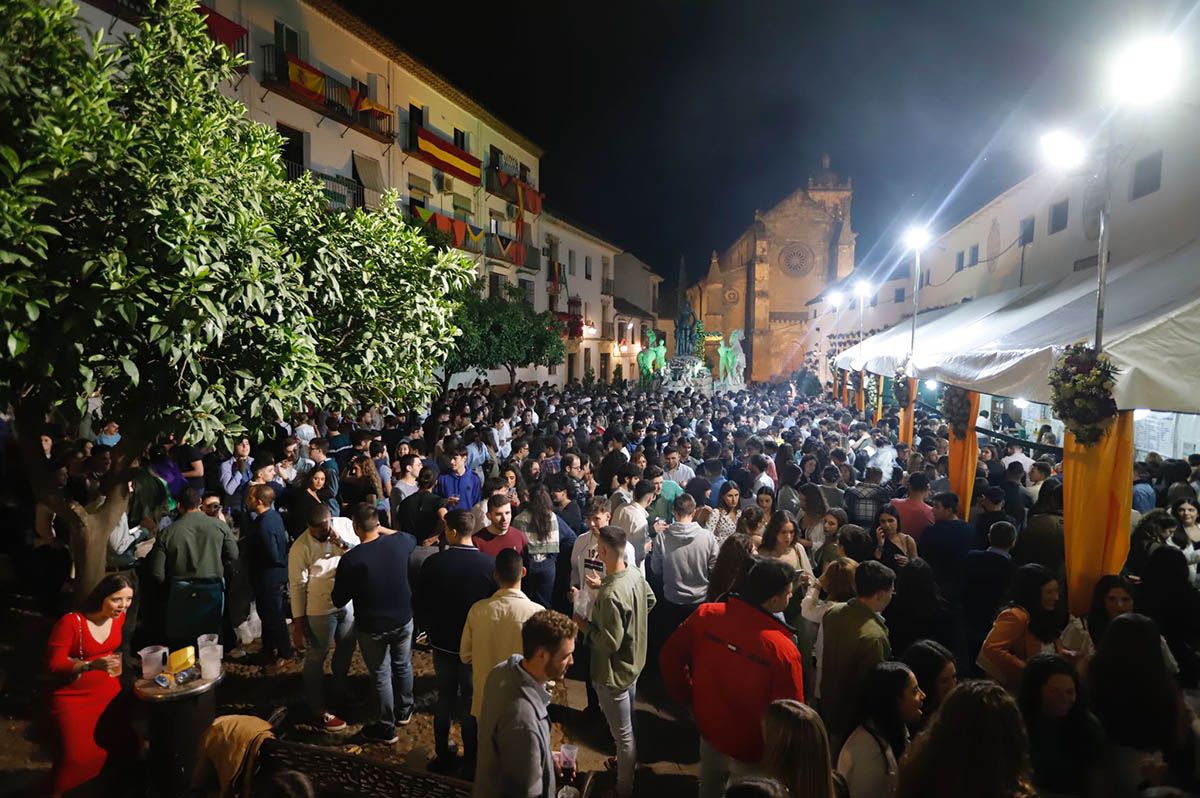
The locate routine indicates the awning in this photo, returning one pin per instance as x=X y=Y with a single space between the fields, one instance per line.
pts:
x=223 y=29
x=369 y=172
x=420 y=185
x=1005 y=344
x=462 y=203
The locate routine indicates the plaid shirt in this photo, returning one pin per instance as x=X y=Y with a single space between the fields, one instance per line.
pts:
x=863 y=503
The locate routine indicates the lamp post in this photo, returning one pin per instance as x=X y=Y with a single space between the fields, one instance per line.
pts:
x=916 y=239
x=1143 y=73
x=862 y=289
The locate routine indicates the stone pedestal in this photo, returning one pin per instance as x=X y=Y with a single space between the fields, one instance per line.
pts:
x=686 y=372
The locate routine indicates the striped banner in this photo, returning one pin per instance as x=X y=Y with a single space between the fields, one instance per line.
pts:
x=305 y=79
x=443 y=155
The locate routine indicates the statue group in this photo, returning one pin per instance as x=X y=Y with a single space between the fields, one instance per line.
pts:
x=686 y=370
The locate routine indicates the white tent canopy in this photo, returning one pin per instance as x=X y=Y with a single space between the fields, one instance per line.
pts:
x=1005 y=344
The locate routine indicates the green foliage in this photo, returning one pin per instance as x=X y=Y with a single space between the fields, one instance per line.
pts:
x=152 y=248
x=589 y=377
x=504 y=332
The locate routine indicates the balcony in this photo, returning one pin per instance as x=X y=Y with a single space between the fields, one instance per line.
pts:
x=426 y=145
x=302 y=83
x=573 y=322
x=508 y=186
x=607 y=286
x=341 y=193
x=521 y=254
x=462 y=235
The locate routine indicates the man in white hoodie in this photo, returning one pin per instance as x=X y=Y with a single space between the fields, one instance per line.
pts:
x=316 y=623
x=634 y=519
x=683 y=555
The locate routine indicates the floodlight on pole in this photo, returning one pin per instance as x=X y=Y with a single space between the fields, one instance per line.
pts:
x=862 y=288
x=1020 y=403
x=916 y=238
x=836 y=299
x=931 y=385
x=1146 y=71
x=1063 y=150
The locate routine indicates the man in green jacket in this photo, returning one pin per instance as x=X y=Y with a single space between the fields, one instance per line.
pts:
x=617 y=636
x=856 y=640
x=191 y=556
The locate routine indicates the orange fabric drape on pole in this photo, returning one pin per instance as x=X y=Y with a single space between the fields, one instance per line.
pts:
x=860 y=396
x=1097 y=500
x=845 y=389
x=906 y=412
x=964 y=456
x=879 y=399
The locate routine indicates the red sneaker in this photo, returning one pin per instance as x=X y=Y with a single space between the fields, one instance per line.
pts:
x=332 y=723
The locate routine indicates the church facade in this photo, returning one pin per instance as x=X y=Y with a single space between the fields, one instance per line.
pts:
x=762 y=282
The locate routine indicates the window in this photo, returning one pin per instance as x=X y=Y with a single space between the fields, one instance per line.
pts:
x=1027 y=230
x=362 y=87
x=526 y=287
x=495 y=222
x=974 y=255
x=1058 y=217
x=958 y=261
x=495 y=284
x=874 y=299
x=1147 y=176
x=287 y=40
x=463 y=207
x=587 y=311
x=587 y=267
x=1083 y=264
x=523 y=173
x=293 y=148
x=460 y=139
x=570 y=263
x=899 y=297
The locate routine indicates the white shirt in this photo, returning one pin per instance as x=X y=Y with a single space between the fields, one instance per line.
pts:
x=584 y=556
x=1020 y=457
x=868 y=765
x=680 y=473
x=312 y=566
x=305 y=432
x=633 y=518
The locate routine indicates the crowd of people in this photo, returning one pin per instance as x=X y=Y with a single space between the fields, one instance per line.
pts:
x=804 y=587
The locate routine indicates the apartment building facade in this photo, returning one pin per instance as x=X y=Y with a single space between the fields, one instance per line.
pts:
x=364 y=117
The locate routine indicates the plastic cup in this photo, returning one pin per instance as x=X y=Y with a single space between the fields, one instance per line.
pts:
x=210 y=661
x=154 y=661
x=204 y=641
x=569 y=755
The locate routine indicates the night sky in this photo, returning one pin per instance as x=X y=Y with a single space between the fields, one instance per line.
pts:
x=667 y=122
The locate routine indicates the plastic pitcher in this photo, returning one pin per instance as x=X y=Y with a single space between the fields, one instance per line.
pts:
x=204 y=641
x=154 y=661
x=210 y=661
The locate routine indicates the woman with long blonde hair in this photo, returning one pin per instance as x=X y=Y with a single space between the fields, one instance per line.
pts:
x=796 y=750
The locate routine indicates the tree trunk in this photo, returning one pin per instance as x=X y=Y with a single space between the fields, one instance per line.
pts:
x=512 y=376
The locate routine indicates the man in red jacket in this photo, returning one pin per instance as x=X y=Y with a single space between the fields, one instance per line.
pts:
x=727 y=662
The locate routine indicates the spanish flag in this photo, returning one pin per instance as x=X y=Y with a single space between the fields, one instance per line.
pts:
x=305 y=79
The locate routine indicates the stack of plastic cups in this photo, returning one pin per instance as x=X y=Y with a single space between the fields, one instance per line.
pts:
x=209 y=656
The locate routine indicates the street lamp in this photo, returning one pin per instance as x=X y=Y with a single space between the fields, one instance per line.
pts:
x=916 y=238
x=1146 y=71
x=862 y=290
x=836 y=299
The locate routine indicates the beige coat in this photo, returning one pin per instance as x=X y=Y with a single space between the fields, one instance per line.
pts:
x=492 y=635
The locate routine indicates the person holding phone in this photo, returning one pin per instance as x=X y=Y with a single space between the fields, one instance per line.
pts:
x=82 y=655
x=895 y=549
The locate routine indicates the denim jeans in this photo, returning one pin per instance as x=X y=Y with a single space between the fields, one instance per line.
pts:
x=617 y=706
x=716 y=769
x=337 y=630
x=388 y=657
x=454 y=693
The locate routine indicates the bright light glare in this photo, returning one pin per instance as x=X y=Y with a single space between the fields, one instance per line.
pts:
x=836 y=299
x=1140 y=414
x=916 y=238
x=862 y=288
x=1020 y=404
x=931 y=385
x=1146 y=71
x=1063 y=150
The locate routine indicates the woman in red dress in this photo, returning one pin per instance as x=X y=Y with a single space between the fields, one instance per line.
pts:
x=93 y=724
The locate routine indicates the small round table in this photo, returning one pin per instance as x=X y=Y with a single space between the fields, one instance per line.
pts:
x=178 y=716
